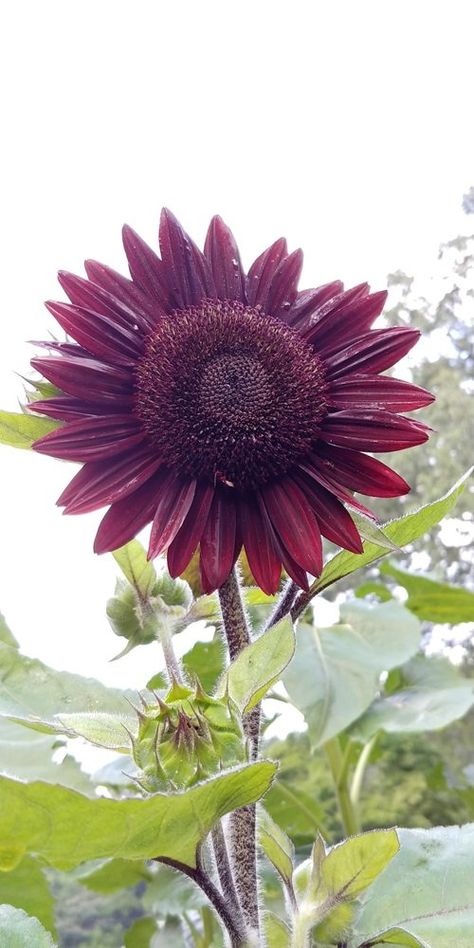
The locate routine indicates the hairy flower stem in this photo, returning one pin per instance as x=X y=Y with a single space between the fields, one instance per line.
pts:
x=242 y=822
x=224 y=870
x=284 y=603
x=234 y=925
x=171 y=662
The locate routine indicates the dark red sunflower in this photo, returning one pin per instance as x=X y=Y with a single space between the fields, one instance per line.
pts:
x=226 y=409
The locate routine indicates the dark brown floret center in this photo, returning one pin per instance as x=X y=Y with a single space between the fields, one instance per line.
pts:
x=229 y=394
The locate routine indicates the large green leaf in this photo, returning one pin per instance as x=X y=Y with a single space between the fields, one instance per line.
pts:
x=276 y=845
x=259 y=665
x=140 y=934
x=26 y=888
x=207 y=661
x=19 y=930
x=427 y=890
x=335 y=673
x=402 y=531
x=19 y=430
x=167 y=895
x=6 y=636
x=397 y=937
x=432 y=694
x=435 y=602
x=28 y=755
x=65 y=828
x=113 y=875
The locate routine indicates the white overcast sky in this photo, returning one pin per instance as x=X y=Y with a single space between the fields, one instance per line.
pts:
x=346 y=126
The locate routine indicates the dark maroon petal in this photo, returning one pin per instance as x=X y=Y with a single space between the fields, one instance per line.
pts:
x=187 y=270
x=175 y=498
x=92 y=439
x=373 y=352
x=360 y=472
x=146 y=268
x=262 y=271
x=283 y=288
x=297 y=573
x=87 y=378
x=102 y=336
x=346 y=321
x=223 y=255
x=295 y=523
x=320 y=471
x=124 y=290
x=377 y=391
x=307 y=301
x=258 y=540
x=68 y=408
x=104 y=482
x=189 y=534
x=334 y=521
x=127 y=517
x=65 y=348
x=372 y=430
x=84 y=293
x=218 y=547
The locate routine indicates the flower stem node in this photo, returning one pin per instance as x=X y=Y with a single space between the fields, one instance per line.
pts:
x=186 y=737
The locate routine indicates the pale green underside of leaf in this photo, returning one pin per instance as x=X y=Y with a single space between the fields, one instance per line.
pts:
x=427 y=890
x=19 y=430
x=402 y=531
x=276 y=845
x=335 y=673
x=65 y=828
x=432 y=601
x=19 y=930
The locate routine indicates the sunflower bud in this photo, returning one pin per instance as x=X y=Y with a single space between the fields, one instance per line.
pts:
x=185 y=738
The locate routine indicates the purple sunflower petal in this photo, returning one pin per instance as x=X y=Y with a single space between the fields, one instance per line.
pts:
x=283 y=288
x=377 y=391
x=334 y=521
x=257 y=536
x=187 y=270
x=189 y=534
x=375 y=430
x=308 y=301
x=375 y=351
x=102 y=336
x=222 y=253
x=68 y=408
x=124 y=290
x=90 y=377
x=325 y=475
x=103 y=482
x=360 y=472
x=295 y=523
x=92 y=439
x=90 y=296
x=346 y=321
x=262 y=271
x=125 y=518
x=176 y=497
x=218 y=547
x=146 y=268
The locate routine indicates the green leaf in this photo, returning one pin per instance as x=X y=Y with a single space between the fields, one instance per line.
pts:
x=402 y=531
x=5 y=635
x=205 y=608
x=19 y=930
x=170 y=936
x=435 y=602
x=26 y=888
x=113 y=875
x=139 y=934
x=259 y=666
x=20 y=431
x=277 y=934
x=335 y=673
x=397 y=937
x=433 y=693
x=28 y=755
x=135 y=566
x=370 y=531
x=426 y=890
x=105 y=730
x=207 y=661
x=65 y=828
x=276 y=845
x=352 y=866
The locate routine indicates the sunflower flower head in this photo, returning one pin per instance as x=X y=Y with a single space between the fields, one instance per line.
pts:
x=227 y=409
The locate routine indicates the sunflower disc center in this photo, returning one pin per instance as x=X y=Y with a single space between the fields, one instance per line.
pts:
x=227 y=393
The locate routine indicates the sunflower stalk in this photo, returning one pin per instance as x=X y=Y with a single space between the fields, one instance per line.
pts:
x=242 y=822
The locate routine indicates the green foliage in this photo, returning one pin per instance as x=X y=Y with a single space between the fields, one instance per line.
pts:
x=433 y=601
x=26 y=888
x=259 y=666
x=19 y=930
x=65 y=828
x=277 y=846
x=21 y=430
x=335 y=674
x=206 y=660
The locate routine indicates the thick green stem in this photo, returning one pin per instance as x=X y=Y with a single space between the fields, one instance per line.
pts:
x=242 y=822
x=338 y=765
